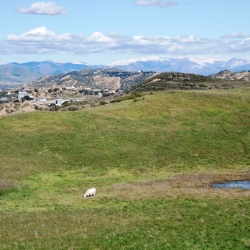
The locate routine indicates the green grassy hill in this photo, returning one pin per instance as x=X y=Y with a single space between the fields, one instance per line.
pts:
x=152 y=160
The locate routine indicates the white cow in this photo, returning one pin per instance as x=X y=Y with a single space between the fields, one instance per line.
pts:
x=90 y=192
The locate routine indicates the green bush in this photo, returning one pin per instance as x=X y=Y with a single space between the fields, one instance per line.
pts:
x=73 y=108
x=136 y=95
x=103 y=103
x=27 y=98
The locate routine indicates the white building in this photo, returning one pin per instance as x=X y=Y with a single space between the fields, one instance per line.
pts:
x=21 y=94
x=41 y=99
x=69 y=88
x=59 y=101
x=3 y=99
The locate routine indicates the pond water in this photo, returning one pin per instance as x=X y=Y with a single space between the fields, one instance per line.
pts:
x=233 y=184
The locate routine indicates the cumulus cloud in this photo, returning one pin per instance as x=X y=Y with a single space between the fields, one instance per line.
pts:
x=43 y=8
x=44 y=41
x=99 y=38
x=159 y=3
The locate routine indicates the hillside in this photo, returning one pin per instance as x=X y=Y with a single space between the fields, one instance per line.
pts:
x=228 y=75
x=85 y=88
x=141 y=81
x=92 y=78
x=153 y=161
x=182 y=81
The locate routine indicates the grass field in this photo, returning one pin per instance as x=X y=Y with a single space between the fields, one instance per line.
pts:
x=152 y=160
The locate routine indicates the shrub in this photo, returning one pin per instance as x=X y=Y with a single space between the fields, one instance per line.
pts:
x=73 y=108
x=103 y=103
x=27 y=98
x=66 y=104
x=136 y=95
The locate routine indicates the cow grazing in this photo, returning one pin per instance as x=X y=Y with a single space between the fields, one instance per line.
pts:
x=90 y=192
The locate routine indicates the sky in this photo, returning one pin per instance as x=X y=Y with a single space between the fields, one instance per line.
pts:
x=107 y=31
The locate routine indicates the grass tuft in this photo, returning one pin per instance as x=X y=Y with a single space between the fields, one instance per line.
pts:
x=7 y=187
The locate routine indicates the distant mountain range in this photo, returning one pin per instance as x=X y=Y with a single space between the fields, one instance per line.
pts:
x=16 y=73
x=25 y=72
x=184 y=65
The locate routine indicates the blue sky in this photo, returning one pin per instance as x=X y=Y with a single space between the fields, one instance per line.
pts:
x=103 y=32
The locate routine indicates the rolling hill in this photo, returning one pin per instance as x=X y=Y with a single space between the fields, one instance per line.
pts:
x=153 y=162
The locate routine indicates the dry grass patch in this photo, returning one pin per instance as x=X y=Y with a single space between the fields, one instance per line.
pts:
x=195 y=185
x=7 y=186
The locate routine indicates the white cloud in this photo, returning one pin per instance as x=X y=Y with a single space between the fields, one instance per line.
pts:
x=159 y=3
x=39 y=34
x=98 y=37
x=43 y=8
x=148 y=3
x=44 y=41
x=234 y=35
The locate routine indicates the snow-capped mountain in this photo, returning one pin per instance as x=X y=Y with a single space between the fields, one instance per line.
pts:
x=183 y=65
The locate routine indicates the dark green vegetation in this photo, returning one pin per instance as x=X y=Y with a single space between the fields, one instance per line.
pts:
x=132 y=96
x=184 y=81
x=152 y=162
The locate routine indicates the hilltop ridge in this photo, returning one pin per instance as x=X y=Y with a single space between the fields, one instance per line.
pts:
x=181 y=81
x=228 y=75
x=92 y=78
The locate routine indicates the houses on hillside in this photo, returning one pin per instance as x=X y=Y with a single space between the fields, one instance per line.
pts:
x=55 y=95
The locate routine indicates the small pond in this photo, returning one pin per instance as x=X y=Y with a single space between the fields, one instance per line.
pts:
x=233 y=184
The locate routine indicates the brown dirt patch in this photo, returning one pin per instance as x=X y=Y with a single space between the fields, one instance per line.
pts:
x=184 y=185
